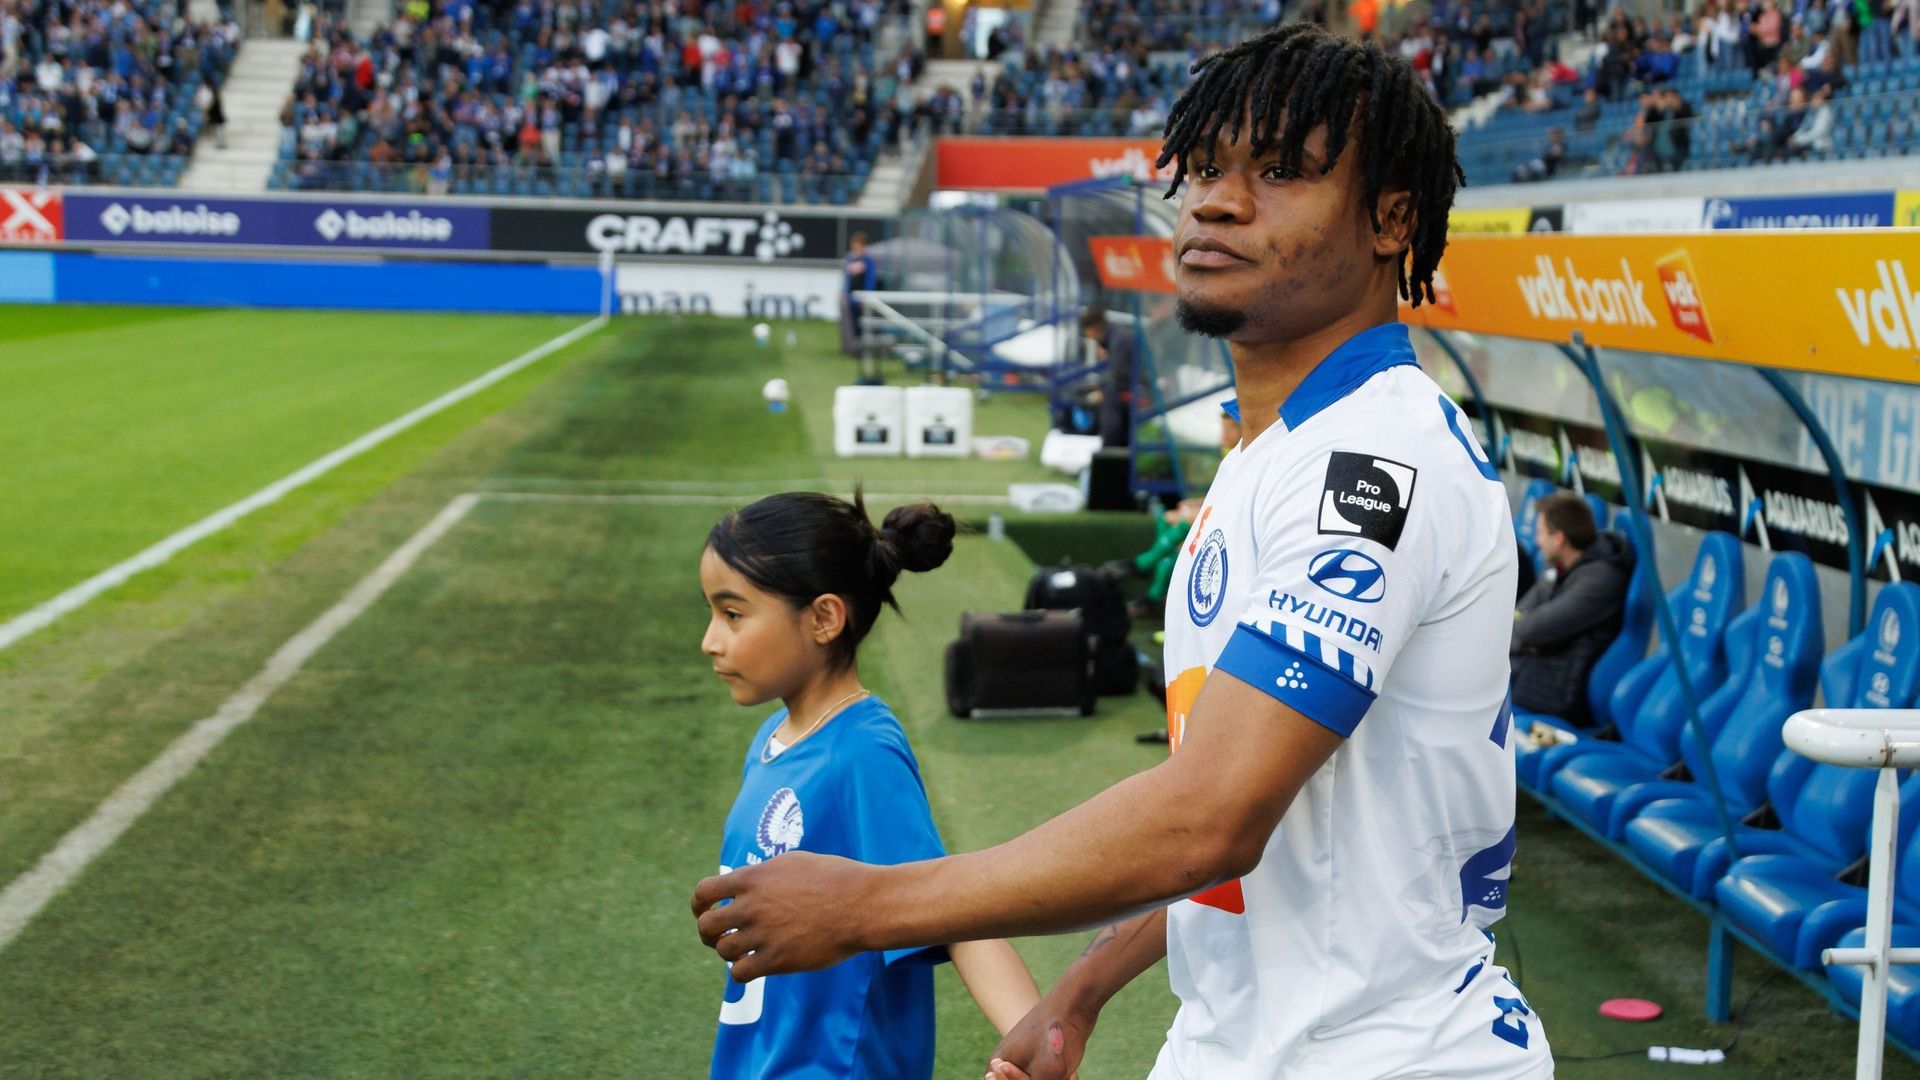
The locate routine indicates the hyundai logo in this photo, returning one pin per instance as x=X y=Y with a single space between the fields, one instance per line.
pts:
x=1348 y=575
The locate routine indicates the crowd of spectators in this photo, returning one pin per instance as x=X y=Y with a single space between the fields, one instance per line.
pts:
x=1133 y=62
x=87 y=80
x=1780 y=62
x=632 y=97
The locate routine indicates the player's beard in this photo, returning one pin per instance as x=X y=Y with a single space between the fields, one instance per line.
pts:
x=1207 y=319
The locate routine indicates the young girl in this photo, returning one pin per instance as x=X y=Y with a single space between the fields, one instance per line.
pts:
x=795 y=582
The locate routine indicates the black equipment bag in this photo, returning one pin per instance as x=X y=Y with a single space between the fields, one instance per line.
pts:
x=1116 y=667
x=1095 y=596
x=1025 y=661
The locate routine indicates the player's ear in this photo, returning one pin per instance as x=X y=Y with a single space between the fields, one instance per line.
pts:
x=1394 y=209
x=826 y=618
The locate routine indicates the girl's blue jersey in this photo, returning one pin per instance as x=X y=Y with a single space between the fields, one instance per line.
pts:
x=852 y=789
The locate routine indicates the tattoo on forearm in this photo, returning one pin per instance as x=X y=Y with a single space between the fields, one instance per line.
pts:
x=1101 y=940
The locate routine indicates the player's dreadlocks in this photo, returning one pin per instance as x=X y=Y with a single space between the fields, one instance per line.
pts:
x=1308 y=77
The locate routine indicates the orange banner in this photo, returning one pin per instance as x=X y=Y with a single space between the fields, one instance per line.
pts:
x=1024 y=164
x=1845 y=303
x=1140 y=263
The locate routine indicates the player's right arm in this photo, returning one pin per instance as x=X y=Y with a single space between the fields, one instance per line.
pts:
x=1050 y=1041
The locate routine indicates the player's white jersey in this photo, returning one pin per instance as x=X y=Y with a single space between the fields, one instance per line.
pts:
x=1357 y=562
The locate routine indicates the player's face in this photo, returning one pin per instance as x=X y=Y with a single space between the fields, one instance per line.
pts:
x=1267 y=255
x=753 y=637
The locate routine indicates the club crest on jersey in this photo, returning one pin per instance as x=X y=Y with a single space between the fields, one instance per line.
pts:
x=1207 y=585
x=1366 y=496
x=781 y=824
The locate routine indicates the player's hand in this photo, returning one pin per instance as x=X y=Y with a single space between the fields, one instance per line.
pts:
x=797 y=912
x=1047 y=1044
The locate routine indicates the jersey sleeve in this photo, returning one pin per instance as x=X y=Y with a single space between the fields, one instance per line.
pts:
x=890 y=821
x=1346 y=568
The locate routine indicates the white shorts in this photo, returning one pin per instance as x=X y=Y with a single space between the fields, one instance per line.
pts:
x=1486 y=1031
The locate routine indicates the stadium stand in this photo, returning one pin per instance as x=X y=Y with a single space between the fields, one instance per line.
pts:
x=1724 y=95
x=1647 y=97
x=752 y=102
x=93 y=92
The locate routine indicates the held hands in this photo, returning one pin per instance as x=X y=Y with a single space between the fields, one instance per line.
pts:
x=797 y=912
x=1047 y=1045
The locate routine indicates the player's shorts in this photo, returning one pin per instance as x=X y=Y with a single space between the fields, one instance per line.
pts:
x=1486 y=1031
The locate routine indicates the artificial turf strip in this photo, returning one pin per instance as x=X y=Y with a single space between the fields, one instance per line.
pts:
x=120 y=426
x=461 y=842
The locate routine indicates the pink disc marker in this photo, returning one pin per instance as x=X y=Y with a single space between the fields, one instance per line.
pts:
x=1632 y=1010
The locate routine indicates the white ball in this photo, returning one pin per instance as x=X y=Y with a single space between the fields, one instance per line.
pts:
x=762 y=332
x=775 y=391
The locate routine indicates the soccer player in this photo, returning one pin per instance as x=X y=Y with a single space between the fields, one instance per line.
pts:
x=795 y=582
x=1320 y=856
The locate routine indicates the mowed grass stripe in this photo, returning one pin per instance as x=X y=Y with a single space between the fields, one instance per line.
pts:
x=120 y=435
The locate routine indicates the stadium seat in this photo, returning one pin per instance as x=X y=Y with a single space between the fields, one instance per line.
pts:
x=1602 y=513
x=1785 y=888
x=1523 y=517
x=1587 y=775
x=1667 y=823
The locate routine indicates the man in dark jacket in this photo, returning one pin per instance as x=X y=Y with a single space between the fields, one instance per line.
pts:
x=1114 y=397
x=1572 y=613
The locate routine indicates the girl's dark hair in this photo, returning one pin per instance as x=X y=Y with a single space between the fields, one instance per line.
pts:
x=1356 y=89
x=803 y=545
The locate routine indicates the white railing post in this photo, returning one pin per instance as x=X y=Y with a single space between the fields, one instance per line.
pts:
x=1887 y=740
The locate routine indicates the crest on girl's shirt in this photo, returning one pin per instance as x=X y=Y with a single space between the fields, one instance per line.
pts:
x=781 y=823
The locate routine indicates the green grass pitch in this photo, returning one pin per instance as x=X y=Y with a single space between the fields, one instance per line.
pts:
x=461 y=841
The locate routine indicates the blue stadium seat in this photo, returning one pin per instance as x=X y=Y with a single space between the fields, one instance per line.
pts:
x=1602 y=513
x=1523 y=517
x=1785 y=889
x=1669 y=823
x=1587 y=775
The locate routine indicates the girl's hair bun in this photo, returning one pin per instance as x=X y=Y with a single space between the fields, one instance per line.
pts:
x=920 y=536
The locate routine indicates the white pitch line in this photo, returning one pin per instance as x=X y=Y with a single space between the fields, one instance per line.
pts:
x=42 y=615
x=31 y=891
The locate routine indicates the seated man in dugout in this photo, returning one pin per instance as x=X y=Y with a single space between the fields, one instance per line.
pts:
x=1572 y=613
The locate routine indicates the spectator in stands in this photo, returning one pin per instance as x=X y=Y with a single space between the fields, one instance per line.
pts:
x=1656 y=63
x=1613 y=75
x=1827 y=75
x=1766 y=34
x=1572 y=613
x=13 y=150
x=1815 y=135
x=1774 y=140
x=1903 y=22
x=1870 y=24
x=1720 y=38
x=1547 y=163
x=1588 y=114
x=1670 y=137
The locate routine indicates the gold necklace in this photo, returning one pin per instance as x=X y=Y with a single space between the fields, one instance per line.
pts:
x=766 y=756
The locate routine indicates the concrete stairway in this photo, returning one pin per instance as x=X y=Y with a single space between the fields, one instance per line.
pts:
x=256 y=88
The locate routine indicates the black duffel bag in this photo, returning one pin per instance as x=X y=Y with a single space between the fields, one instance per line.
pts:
x=1020 y=662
